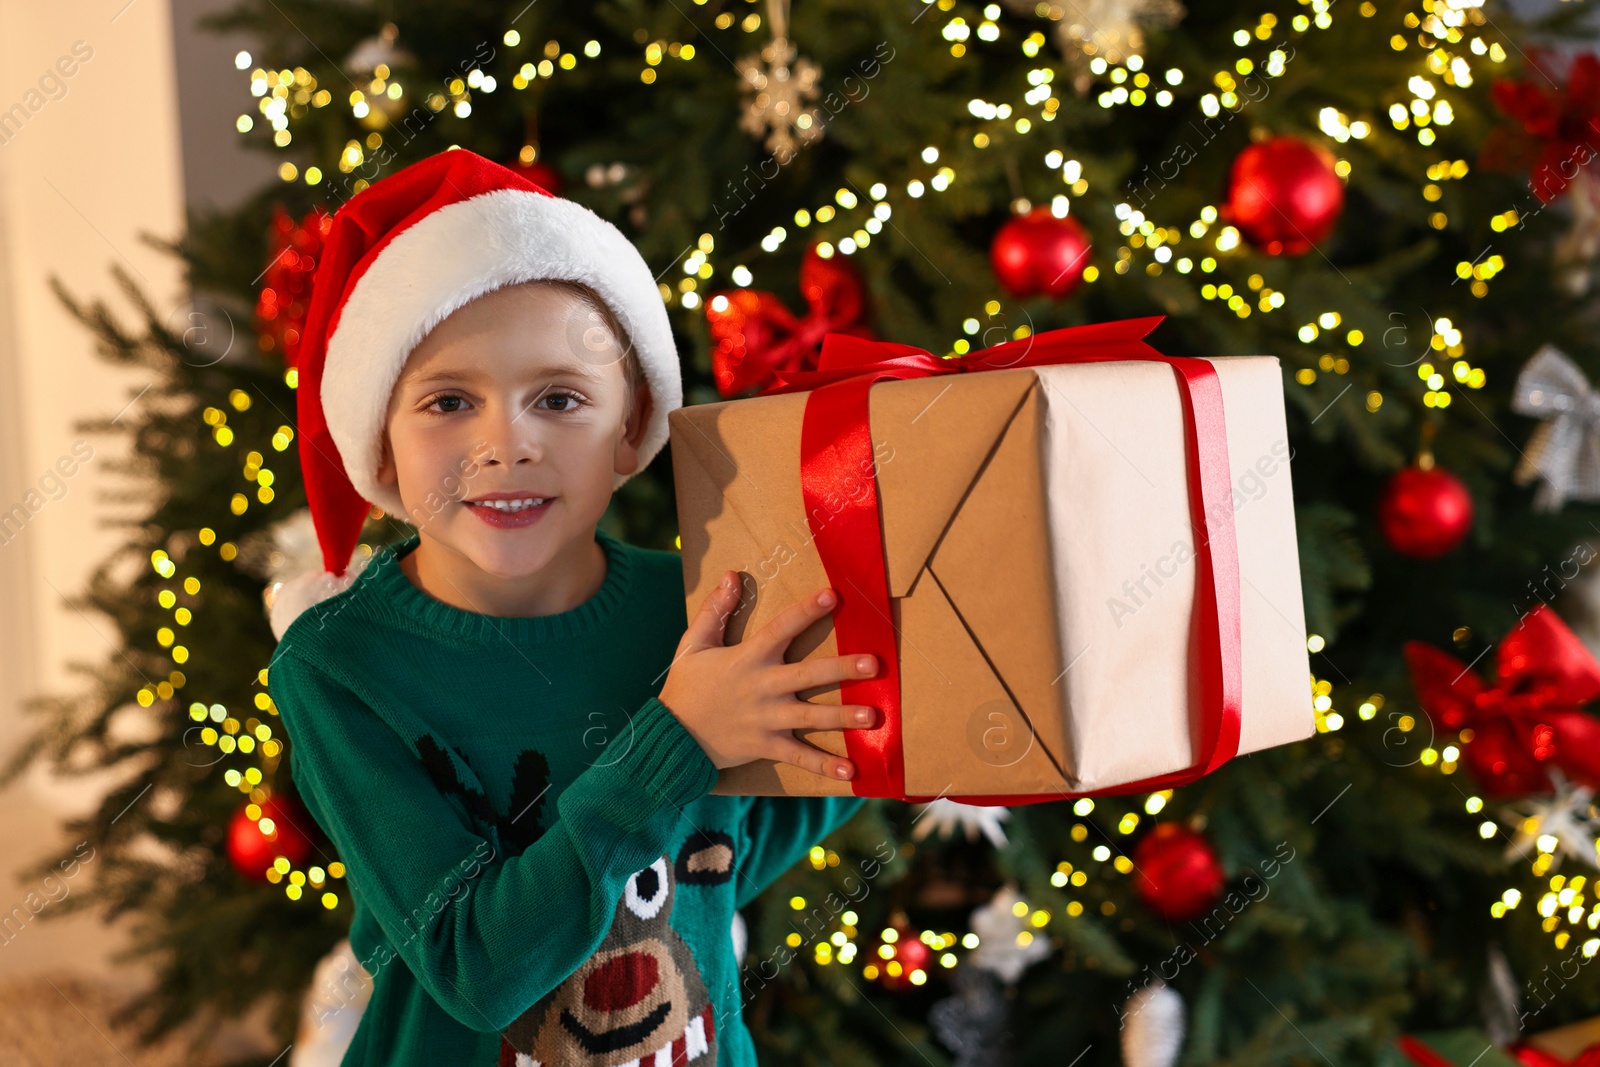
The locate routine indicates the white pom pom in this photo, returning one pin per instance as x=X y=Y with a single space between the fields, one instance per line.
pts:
x=287 y=600
x=289 y=555
x=286 y=548
x=331 y=1009
x=1152 y=1027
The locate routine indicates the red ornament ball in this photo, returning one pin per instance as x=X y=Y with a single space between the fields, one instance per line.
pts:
x=909 y=954
x=543 y=175
x=1283 y=195
x=1424 y=512
x=1040 y=253
x=253 y=851
x=1176 y=872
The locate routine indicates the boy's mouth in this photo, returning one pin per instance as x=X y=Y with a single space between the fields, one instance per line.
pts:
x=513 y=504
x=511 y=509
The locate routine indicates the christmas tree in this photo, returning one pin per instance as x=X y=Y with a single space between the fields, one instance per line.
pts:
x=1360 y=189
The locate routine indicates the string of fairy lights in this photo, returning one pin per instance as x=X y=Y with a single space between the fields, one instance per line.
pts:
x=1450 y=37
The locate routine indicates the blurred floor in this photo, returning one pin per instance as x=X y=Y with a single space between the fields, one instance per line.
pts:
x=59 y=985
x=49 y=1021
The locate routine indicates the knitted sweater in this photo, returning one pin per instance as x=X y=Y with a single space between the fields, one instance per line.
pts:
x=538 y=870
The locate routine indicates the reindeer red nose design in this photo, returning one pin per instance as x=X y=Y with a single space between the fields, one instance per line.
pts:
x=640 y=1000
x=621 y=983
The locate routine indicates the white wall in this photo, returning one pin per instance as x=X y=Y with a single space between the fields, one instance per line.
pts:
x=89 y=160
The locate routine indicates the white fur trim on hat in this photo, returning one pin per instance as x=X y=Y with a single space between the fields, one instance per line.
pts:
x=454 y=255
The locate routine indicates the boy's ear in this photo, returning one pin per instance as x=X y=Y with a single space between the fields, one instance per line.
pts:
x=627 y=457
x=386 y=472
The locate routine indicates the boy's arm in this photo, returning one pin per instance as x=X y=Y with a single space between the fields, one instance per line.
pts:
x=781 y=830
x=486 y=934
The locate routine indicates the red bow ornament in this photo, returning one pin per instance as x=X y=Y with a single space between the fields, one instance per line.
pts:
x=756 y=338
x=285 y=296
x=836 y=444
x=1558 y=130
x=1530 y=718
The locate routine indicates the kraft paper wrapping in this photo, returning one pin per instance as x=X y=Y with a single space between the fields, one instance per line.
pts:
x=1570 y=1041
x=1041 y=568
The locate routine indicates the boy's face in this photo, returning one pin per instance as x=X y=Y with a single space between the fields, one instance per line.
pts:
x=516 y=396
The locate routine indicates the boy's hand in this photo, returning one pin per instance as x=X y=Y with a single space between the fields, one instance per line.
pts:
x=738 y=701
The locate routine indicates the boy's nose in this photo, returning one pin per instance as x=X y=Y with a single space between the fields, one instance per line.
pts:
x=621 y=982
x=512 y=439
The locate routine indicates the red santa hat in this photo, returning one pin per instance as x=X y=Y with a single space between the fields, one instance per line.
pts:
x=401 y=255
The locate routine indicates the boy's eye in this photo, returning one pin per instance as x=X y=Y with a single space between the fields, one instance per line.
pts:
x=564 y=401
x=558 y=401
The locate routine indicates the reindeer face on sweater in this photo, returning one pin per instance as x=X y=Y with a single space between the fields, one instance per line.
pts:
x=640 y=999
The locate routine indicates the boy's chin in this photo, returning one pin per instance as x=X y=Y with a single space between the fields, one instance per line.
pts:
x=506 y=554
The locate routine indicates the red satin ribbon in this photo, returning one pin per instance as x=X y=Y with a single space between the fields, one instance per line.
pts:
x=836 y=450
x=1420 y=1054
x=1529 y=1056
x=1524 y=1053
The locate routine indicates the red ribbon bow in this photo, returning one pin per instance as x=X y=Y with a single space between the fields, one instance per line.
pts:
x=836 y=444
x=1529 y=718
x=1557 y=130
x=285 y=297
x=757 y=338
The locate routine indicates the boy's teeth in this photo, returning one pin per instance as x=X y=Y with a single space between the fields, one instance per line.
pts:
x=510 y=505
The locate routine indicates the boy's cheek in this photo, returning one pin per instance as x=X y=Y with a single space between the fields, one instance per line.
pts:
x=422 y=468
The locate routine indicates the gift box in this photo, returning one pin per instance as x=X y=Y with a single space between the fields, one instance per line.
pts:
x=1073 y=556
x=1465 y=1047
x=1574 y=1045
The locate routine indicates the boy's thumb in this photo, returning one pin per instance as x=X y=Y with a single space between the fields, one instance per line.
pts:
x=707 y=627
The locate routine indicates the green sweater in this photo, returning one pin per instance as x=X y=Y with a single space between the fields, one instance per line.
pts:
x=538 y=869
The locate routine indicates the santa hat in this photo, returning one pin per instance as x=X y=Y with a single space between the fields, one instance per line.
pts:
x=401 y=255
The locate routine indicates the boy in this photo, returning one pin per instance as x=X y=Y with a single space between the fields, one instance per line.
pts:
x=539 y=872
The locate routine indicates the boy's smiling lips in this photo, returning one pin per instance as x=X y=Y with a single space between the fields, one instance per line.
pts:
x=509 y=495
x=507 y=509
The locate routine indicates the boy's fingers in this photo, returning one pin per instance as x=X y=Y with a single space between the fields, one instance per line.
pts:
x=792 y=750
x=810 y=673
x=803 y=715
x=707 y=627
x=774 y=638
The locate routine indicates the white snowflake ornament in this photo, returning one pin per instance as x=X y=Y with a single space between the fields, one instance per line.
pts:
x=1565 y=823
x=1007 y=943
x=778 y=83
x=1112 y=30
x=946 y=816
